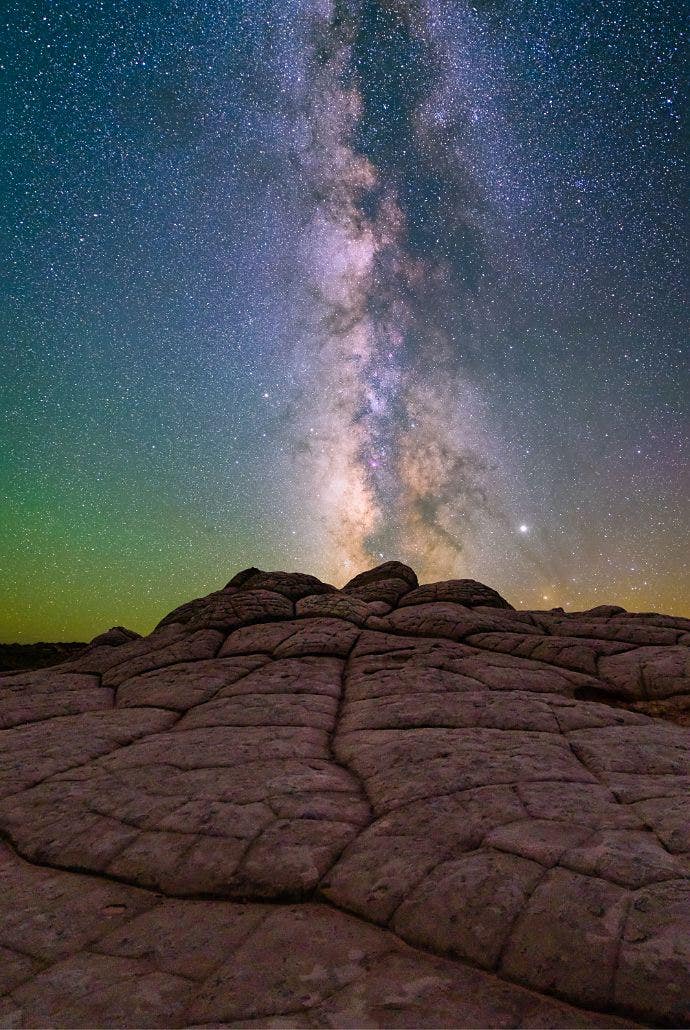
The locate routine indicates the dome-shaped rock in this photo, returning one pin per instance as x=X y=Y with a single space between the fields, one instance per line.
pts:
x=386 y=805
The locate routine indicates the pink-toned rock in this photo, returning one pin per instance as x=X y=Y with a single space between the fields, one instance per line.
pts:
x=546 y=841
x=382 y=573
x=578 y=653
x=228 y=609
x=315 y=636
x=384 y=591
x=462 y=591
x=101 y=990
x=33 y=752
x=114 y=637
x=292 y=805
x=654 y=960
x=185 y=685
x=567 y=935
x=669 y=818
x=649 y=672
x=338 y=606
x=447 y=620
x=34 y=697
x=292 y=585
x=632 y=858
x=466 y=907
x=387 y=583
x=192 y=647
x=99 y=658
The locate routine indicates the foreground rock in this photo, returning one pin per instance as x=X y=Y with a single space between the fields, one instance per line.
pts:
x=388 y=805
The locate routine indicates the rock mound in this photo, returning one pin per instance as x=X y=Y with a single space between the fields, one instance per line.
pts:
x=386 y=805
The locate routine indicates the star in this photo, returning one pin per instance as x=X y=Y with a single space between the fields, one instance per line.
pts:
x=422 y=224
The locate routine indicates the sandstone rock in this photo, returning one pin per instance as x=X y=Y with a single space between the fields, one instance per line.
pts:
x=115 y=636
x=32 y=697
x=566 y=937
x=293 y=585
x=447 y=620
x=389 y=570
x=380 y=591
x=462 y=591
x=649 y=672
x=387 y=805
x=655 y=953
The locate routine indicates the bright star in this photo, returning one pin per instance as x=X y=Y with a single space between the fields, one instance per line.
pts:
x=524 y=528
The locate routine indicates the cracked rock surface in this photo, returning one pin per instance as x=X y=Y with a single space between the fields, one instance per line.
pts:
x=386 y=805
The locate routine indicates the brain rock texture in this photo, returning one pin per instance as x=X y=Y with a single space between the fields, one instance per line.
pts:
x=385 y=805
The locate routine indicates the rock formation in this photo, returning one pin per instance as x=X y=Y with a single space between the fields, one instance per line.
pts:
x=386 y=805
x=14 y=657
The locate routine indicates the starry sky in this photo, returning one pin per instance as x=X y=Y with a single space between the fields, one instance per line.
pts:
x=311 y=284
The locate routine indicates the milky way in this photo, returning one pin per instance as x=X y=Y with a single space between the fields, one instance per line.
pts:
x=391 y=436
x=311 y=284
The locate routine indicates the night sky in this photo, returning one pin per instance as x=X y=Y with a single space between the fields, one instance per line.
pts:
x=311 y=284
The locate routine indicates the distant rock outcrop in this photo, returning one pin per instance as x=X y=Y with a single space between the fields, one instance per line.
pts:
x=36 y=656
x=114 y=637
x=386 y=805
x=14 y=657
